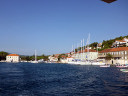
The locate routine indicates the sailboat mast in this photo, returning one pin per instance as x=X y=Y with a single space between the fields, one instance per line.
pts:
x=77 y=50
x=81 y=49
x=35 y=56
x=88 y=46
x=97 y=50
x=72 y=49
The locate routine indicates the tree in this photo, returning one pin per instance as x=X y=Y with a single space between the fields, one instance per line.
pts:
x=3 y=55
x=109 y=56
x=93 y=45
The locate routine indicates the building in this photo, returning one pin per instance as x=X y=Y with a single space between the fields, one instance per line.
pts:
x=69 y=59
x=53 y=58
x=119 y=55
x=87 y=54
x=12 y=58
x=99 y=46
x=121 y=43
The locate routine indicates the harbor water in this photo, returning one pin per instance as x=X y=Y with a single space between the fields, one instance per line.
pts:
x=27 y=79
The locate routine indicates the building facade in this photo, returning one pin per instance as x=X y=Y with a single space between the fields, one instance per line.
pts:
x=87 y=54
x=12 y=58
x=120 y=43
x=119 y=55
x=53 y=58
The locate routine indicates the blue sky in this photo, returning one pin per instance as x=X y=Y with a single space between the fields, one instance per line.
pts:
x=53 y=26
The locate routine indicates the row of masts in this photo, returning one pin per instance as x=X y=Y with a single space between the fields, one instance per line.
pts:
x=82 y=47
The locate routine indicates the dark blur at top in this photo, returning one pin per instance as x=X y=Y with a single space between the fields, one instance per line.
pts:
x=108 y=1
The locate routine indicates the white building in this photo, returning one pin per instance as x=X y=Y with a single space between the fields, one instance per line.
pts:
x=69 y=59
x=86 y=55
x=53 y=58
x=12 y=58
x=120 y=43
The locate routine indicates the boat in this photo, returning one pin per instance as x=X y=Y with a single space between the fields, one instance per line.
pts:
x=87 y=61
x=124 y=70
x=35 y=61
x=121 y=66
x=41 y=61
x=105 y=66
x=98 y=63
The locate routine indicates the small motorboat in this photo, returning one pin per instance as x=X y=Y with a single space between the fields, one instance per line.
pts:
x=124 y=70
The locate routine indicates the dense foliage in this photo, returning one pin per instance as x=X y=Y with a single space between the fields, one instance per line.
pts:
x=3 y=55
x=28 y=58
x=108 y=56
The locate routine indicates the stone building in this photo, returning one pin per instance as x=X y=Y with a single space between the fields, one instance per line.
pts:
x=119 y=55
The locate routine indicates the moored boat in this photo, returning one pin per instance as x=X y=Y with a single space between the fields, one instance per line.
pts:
x=124 y=70
x=35 y=61
x=105 y=66
x=121 y=66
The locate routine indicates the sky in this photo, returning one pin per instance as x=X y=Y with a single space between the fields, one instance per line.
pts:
x=53 y=26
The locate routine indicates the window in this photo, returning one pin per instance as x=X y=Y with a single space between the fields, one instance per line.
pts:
x=125 y=57
x=122 y=58
x=125 y=52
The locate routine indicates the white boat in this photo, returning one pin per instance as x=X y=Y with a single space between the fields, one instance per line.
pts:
x=79 y=62
x=98 y=63
x=122 y=66
x=124 y=70
x=105 y=66
x=41 y=61
x=35 y=61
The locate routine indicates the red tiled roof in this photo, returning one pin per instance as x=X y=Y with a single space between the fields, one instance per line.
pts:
x=12 y=55
x=121 y=40
x=69 y=57
x=114 y=49
x=90 y=50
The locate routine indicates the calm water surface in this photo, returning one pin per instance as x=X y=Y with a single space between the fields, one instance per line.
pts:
x=26 y=79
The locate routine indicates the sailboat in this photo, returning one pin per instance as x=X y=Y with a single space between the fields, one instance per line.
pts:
x=35 y=61
x=87 y=61
x=81 y=61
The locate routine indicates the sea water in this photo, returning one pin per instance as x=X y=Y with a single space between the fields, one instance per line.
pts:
x=43 y=79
